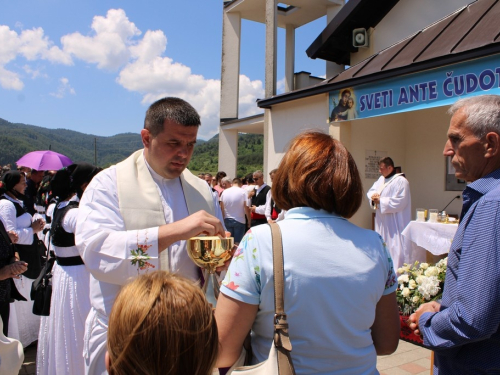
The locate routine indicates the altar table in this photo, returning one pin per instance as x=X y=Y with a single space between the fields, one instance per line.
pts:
x=427 y=242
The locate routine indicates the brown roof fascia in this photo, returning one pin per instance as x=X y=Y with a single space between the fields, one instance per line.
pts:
x=335 y=41
x=485 y=51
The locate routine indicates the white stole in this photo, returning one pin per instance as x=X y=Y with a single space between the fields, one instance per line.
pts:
x=140 y=204
x=382 y=187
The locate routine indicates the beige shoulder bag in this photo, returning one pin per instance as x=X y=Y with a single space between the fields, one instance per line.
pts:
x=280 y=360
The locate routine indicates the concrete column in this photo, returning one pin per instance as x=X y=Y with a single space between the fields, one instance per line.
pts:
x=271 y=43
x=268 y=128
x=289 y=58
x=341 y=131
x=332 y=69
x=230 y=72
x=270 y=73
x=228 y=151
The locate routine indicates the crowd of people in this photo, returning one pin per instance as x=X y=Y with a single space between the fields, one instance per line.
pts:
x=126 y=297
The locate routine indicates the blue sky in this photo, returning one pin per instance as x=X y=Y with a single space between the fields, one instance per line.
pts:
x=95 y=66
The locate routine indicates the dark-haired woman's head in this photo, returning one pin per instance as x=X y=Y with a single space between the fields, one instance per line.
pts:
x=317 y=171
x=161 y=323
x=72 y=179
x=13 y=182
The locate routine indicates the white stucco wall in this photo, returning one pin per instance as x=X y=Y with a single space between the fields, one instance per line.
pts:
x=289 y=119
x=406 y=18
x=415 y=141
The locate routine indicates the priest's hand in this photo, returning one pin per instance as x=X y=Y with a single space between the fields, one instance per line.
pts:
x=431 y=307
x=376 y=198
x=198 y=223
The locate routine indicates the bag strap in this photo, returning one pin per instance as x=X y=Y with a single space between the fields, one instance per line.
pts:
x=281 y=338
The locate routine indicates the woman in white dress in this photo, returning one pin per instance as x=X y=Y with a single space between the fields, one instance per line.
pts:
x=23 y=324
x=60 y=346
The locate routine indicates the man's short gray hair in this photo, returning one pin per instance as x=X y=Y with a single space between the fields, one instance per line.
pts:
x=258 y=173
x=226 y=180
x=483 y=113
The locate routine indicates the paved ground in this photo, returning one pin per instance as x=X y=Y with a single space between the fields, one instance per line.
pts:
x=408 y=359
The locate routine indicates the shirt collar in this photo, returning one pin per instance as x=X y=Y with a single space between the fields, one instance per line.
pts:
x=308 y=213
x=156 y=176
x=475 y=190
x=260 y=187
x=15 y=200
x=486 y=183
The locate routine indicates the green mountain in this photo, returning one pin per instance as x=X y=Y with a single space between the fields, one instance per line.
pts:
x=19 y=139
x=250 y=155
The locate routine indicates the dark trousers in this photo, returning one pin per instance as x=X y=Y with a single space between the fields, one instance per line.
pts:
x=4 y=314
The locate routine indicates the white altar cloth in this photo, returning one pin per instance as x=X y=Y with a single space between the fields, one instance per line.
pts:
x=421 y=237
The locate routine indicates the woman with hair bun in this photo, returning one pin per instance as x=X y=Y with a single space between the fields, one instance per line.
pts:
x=60 y=344
x=23 y=323
x=161 y=324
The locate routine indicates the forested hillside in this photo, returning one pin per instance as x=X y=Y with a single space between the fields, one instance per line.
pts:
x=19 y=139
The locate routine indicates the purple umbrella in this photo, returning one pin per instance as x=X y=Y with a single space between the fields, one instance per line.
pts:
x=44 y=160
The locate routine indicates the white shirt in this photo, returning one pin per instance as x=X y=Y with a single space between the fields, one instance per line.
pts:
x=234 y=200
x=268 y=211
x=105 y=245
x=69 y=225
x=21 y=225
x=261 y=210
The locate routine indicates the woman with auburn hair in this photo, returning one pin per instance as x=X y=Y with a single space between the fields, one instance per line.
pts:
x=161 y=323
x=339 y=280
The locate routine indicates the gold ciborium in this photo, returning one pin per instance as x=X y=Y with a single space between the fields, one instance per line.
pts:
x=210 y=252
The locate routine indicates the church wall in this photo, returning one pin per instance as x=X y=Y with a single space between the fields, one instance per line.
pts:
x=289 y=119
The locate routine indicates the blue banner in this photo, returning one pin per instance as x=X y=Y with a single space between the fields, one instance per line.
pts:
x=432 y=88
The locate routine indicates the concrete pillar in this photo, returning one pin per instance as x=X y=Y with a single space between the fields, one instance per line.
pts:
x=341 y=131
x=229 y=91
x=332 y=69
x=271 y=43
x=228 y=151
x=230 y=71
x=270 y=73
x=289 y=58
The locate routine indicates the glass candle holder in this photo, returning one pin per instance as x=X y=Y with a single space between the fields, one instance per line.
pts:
x=433 y=215
x=420 y=214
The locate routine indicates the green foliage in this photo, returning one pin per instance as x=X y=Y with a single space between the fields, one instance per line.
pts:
x=250 y=155
x=17 y=140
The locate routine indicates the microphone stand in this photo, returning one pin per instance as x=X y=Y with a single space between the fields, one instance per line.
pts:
x=445 y=207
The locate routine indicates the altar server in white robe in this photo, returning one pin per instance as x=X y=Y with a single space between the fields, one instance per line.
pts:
x=138 y=214
x=390 y=198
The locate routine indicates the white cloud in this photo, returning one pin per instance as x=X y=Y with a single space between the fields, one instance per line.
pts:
x=109 y=47
x=250 y=91
x=34 y=73
x=10 y=80
x=63 y=89
x=280 y=86
x=117 y=45
x=30 y=44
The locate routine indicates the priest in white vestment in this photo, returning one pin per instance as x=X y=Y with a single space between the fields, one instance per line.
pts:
x=137 y=215
x=390 y=198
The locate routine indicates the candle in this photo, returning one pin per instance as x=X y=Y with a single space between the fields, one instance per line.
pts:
x=421 y=216
x=433 y=218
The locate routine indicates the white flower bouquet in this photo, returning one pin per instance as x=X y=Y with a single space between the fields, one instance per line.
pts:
x=420 y=283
